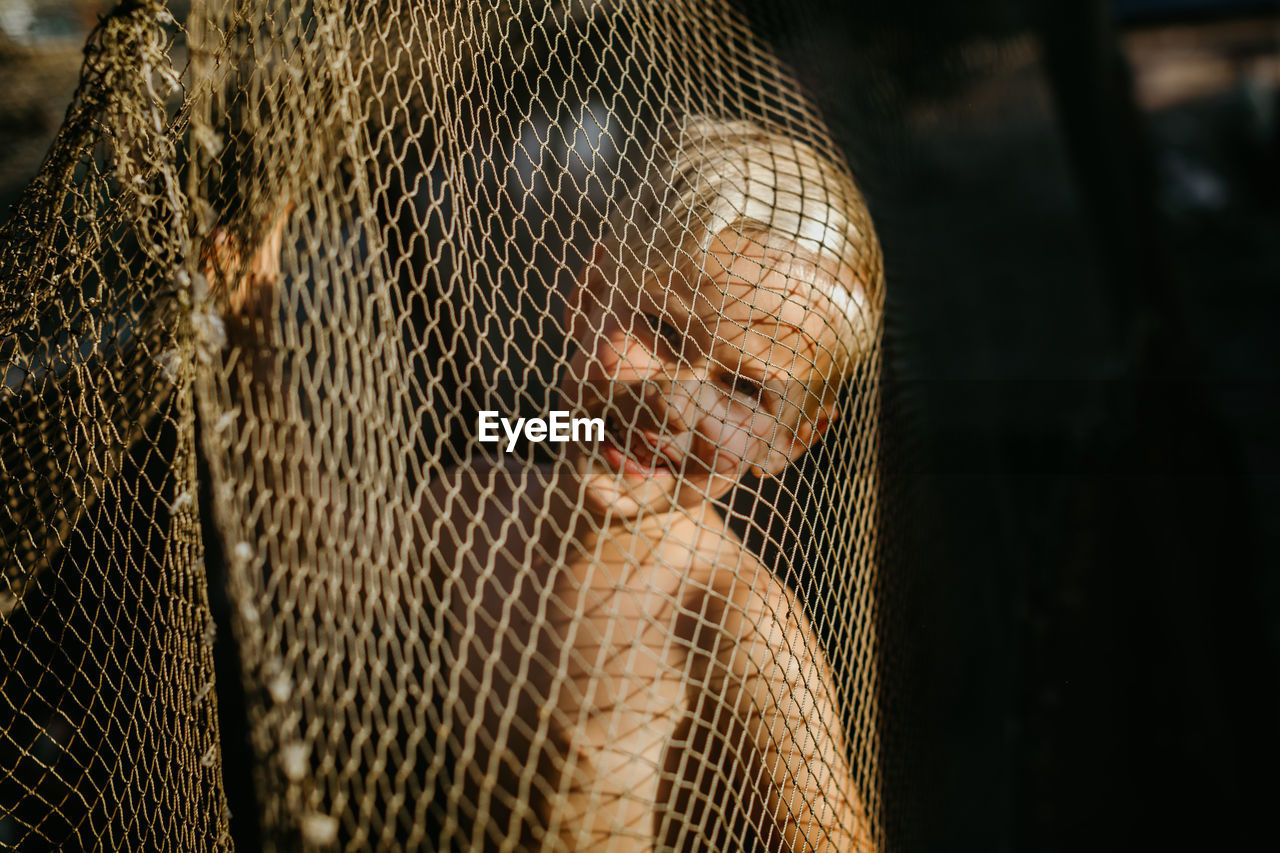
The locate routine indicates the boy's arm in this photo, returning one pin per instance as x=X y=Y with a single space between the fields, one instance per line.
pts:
x=785 y=728
x=245 y=278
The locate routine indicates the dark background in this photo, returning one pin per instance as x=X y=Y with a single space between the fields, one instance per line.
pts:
x=1079 y=210
x=1079 y=203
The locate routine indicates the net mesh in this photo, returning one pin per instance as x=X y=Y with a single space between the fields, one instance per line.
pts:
x=319 y=246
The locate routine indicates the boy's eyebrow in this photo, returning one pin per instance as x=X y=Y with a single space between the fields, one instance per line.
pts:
x=672 y=281
x=773 y=380
x=798 y=342
x=666 y=300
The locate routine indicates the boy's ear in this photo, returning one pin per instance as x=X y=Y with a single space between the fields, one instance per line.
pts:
x=808 y=431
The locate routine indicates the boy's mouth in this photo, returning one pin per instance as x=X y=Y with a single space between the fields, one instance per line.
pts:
x=646 y=457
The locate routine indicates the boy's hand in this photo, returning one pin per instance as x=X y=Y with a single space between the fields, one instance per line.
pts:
x=246 y=277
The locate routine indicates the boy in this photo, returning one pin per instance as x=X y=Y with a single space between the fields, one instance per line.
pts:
x=622 y=674
x=618 y=672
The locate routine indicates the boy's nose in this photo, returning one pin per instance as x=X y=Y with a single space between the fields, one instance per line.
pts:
x=671 y=406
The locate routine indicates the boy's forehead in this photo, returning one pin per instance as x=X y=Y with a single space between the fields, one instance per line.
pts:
x=753 y=294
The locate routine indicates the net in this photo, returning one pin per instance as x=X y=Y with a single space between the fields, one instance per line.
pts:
x=512 y=370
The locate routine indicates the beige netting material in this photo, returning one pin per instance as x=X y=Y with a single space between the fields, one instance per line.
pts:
x=346 y=231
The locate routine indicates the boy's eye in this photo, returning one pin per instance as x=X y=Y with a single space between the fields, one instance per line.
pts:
x=664 y=331
x=742 y=386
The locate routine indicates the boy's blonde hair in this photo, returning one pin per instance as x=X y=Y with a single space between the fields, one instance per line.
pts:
x=708 y=176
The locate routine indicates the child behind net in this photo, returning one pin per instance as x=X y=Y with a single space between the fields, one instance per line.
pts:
x=620 y=673
x=632 y=678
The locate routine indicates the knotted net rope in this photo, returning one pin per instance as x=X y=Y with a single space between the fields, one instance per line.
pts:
x=282 y=262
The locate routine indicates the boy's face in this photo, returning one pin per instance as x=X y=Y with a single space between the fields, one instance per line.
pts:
x=708 y=371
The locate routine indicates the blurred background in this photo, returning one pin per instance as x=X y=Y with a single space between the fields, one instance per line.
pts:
x=1079 y=202
x=1080 y=212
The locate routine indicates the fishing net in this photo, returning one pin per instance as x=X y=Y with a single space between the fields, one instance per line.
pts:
x=283 y=263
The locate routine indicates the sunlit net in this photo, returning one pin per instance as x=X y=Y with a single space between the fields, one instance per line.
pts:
x=311 y=243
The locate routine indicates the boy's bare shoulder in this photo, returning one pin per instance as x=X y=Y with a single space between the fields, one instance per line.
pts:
x=751 y=604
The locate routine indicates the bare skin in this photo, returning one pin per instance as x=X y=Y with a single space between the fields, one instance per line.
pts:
x=646 y=672
x=622 y=673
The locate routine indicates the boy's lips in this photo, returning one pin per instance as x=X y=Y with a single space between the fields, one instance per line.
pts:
x=628 y=467
x=643 y=456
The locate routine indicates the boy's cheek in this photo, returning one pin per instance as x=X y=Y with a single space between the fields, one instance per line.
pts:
x=595 y=337
x=623 y=359
x=729 y=449
x=598 y=359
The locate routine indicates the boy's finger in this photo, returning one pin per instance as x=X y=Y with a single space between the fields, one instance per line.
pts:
x=218 y=259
